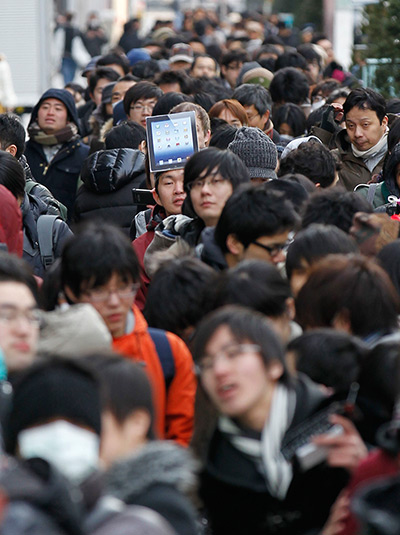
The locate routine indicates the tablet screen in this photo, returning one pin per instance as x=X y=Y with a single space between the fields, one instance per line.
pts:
x=171 y=140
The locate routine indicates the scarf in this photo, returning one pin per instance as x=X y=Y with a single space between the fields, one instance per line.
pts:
x=265 y=451
x=66 y=134
x=374 y=155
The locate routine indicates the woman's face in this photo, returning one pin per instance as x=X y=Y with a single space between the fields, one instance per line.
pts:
x=236 y=379
x=230 y=118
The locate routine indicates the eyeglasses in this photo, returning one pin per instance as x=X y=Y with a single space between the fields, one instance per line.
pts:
x=213 y=183
x=11 y=315
x=229 y=353
x=275 y=249
x=101 y=295
x=143 y=107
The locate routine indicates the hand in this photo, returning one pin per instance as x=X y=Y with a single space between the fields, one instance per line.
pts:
x=345 y=450
x=332 y=117
x=338 y=514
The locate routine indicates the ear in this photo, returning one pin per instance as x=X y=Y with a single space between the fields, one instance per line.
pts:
x=69 y=294
x=275 y=370
x=207 y=138
x=385 y=121
x=156 y=197
x=137 y=426
x=143 y=146
x=12 y=149
x=233 y=245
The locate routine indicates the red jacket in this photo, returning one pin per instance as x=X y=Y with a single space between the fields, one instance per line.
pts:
x=174 y=410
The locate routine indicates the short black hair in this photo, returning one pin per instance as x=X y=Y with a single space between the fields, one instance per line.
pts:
x=146 y=69
x=315 y=242
x=14 y=269
x=102 y=72
x=142 y=89
x=254 y=95
x=251 y=212
x=168 y=101
x=292 y=115
x=127 y=134
x=334 y=206
x=313 y=160
x=222 y=135
x=179 y=285
x=12 y=175
x=175 y=77
x=290 y=59
x=289 y=85
x=118 y=59
x=94 y=254
x=365 y=98
x=293 y=190
x=12 y=132
x=234 y=56
x=309 y=53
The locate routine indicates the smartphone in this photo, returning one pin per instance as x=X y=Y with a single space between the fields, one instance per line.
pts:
x=143 y=196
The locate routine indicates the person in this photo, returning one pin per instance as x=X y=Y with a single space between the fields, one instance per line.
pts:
x=36 y=231
x=362 y=145
x=173 y=81
x=256 y=100
x=257 y=151
x=289 y=85
x=117 y=62
x=350 y=293
x=203 y=127
x=55 y=151
x=109 y=175
x=290 y=122
x=231 y=63
x=130 y=38
x=19 y=313
x=141 y=470
x=243 y=371
x=181 y=57
x=169 y=195
x=140 y=100
x=310 y=245
x=255 y=224
x=109 y=283
x=121 y=87
x=204 y=66
x=230 y=111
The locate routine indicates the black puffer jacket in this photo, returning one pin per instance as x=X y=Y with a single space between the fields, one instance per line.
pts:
x=108 y=177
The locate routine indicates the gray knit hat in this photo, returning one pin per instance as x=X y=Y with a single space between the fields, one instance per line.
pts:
x=256 y=150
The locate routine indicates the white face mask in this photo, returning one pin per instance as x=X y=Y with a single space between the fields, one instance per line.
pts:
x=72 y=450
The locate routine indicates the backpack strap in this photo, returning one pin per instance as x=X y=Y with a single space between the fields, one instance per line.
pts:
x=371 y=193
x=46 y=225
x=164 y=352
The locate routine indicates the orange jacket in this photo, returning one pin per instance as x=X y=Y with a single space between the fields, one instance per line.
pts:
x=174 y=410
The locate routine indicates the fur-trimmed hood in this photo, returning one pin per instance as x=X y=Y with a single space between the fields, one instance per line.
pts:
x=159 y=462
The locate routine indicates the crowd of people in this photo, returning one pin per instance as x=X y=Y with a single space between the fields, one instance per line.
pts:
x=218 y=353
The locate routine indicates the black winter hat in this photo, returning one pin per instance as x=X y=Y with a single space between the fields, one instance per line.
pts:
x=57 y=388
x=65 y=97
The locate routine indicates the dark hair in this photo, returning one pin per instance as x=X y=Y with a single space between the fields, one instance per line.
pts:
x=12 y=132
x=365 y=98
x=234 y=56
x=334 y=206
x=315 y=242
x=222 y=135
x=389 y=172
x=289 y=85
x=168 y=101
x=325 y=88
x=14 y=269
x=146 y=69
x=254 y=95
x=254 y=284
x=117 y=59
x=389 y=258
x=394 y=134
x=102 y=72
x=94 y=254
x=290 y=59
x=352 y=285
x=12 y=174
x=309 y=53
x=140 y=90
x=267 y=49
x=293 y=190
x=393 y=105
x=231 y=105
x=329 y=357
x=175 y=77
x=127 y=134
x=197 y=56
x=313 y=160
x=246 y=326
x=125 y=387
x=179 y=285
x=340 y=92
x=292 y=115
x=251 y=212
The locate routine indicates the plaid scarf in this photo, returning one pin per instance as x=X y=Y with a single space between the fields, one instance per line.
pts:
x=66 y=134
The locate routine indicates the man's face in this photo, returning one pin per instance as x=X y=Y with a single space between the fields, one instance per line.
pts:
x=363 y=128
x=113 y=301
x=204 y=67
x=178 y=65
x=255 y=119
x=141 y=109
x=52 y=115
x=119 y=90
x=267 y=248
x=98 y=90
x=231 y=72
x=170 y=193
x=19 y=325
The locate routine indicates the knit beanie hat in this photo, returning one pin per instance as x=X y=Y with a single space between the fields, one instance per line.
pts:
x=259 y=76
x=256 y=150
x=55 y=389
